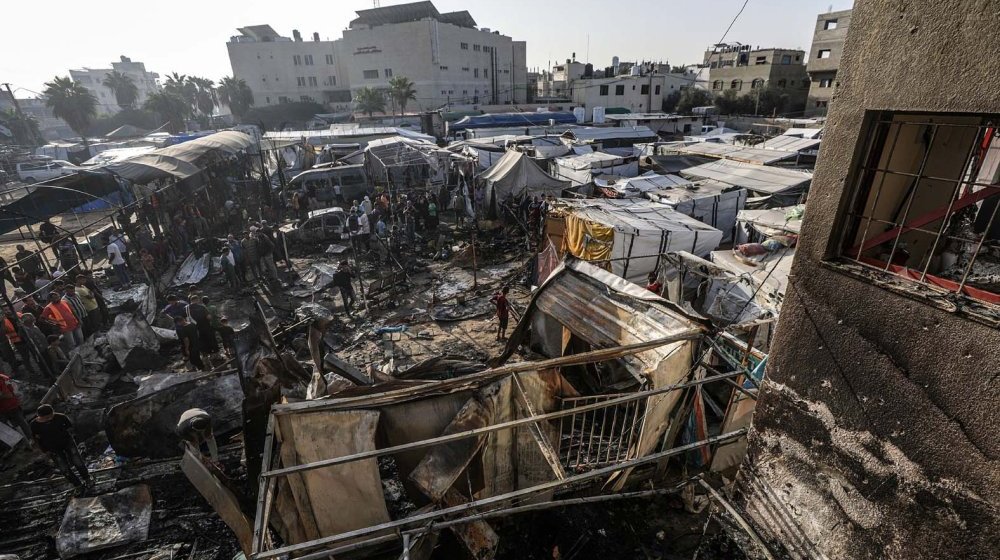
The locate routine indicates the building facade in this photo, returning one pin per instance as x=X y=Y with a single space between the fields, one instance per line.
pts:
x=875 y=431
x=824 y=60
x=448 y=58
x=93 y=80
x=743 y=69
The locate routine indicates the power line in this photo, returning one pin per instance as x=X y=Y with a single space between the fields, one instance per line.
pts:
x=728 y=29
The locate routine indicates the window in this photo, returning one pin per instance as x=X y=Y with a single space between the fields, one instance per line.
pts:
x=925 y=204
x=657 y=90
x=305 y=98
x=823 y=53
x=388 y=72
x=300 y=81
x=758 y=83
x=825 y=83
x=830 y=24
x=267 y=100
x=760 y=60
x=486 y=73
x=297 y=60
x=263 y=79
x=476 y=48
x=309 y=60
x=370 y=74
x=782 y=83
x=603 y=90
x=644 y=90
x=465 y=92
x=283 y=99
x=329 y=59
x=312 y=81
x=443 y=67
x=620 y=90
x=464 y=46
x=786 y=59
x=736 y=84
x=331 y=81
x=475 y=72
x=717 y=84
x=465 y=69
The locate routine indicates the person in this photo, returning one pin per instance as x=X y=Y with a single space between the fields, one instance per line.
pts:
x=59 y=312
x=42 y=286
x=53 y=433
x=265 y=248
x=17 y=341
x=76 y=306
x=228 y=336
x=102 y=304
x=194 y=427
x=654 y=285
x=187 y=334
x=364 y=229
x=56 y=354
x=68 y=258
x=118 y=263
x=237 y=250
x=432 y=215
x=176 y=307
x=39 y=341
x=47 y=232
x=366 y=205
x=148 y=262
x=503 y=311
x=250 y=254
x=342 y=280
x=380 y=227
x=198 y=311
x=28 y=260
x=229 y=268
x=92 y=319
x=460 y=207
x=10 y=407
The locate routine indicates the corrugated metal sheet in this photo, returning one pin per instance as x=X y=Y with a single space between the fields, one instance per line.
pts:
x=790 y=144
x=758 y=178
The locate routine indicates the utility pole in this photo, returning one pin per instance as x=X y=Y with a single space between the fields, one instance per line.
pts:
x=20 y=113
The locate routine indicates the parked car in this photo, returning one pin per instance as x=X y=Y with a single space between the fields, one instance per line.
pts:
x=328 y=224
x=351 y=178
x=37 y=171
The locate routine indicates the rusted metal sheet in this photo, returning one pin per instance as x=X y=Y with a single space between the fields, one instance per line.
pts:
x=222 y=500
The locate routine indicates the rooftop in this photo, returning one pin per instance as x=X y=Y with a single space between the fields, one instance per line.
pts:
x=414 y=11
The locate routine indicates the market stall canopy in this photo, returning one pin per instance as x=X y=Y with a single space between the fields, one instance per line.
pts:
x=516 y=175
x=179 y=160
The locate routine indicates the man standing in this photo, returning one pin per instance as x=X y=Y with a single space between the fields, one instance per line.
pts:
x=265 y=247
x=195 y=428
x=58 y=311
x=92 y=320
x=229 y=267
x=176 y=307
x=28 y=260
x=503 y=312
x=76 y=306
x=250 y=253
x=228 y=336
x=342 y=279
x=118 y=263
x=10 y=407
x=39 y=344
x=17 y=341
x=237 y=251
x=187 y=335
x=198 y=311
x=53 y=433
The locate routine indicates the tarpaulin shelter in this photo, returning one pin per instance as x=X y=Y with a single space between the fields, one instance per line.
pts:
x=407 y=161
x=515 y=174
x=180 y=161
x=738 y=153
x=581 y=169
x=636 y=187
x=626 y=236
x=613 y=140
x=501 y=120
x=780 y=187
x=59 y=195
x=716 y=204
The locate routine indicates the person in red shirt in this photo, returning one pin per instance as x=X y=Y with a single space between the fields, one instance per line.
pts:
x=654 y=285
x=10 y=407
x=503 y=312
x=58 y=312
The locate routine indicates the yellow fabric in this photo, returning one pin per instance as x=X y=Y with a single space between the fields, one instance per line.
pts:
x=588 y=240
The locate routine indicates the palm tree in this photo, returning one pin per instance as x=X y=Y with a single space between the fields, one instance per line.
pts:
x=125 y=90
x=401 y=91
x=171 y=107
x=369 y=100
x=71 y=102
x=23 y=127
x=205 y=98
x=236 y=93
x=180 y=85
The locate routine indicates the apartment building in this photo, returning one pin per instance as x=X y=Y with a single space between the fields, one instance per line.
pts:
x=93 y=80
x=449 y=59
x=824 y=60
x=743 y=68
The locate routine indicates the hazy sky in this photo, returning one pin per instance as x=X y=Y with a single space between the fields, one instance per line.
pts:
x=189 y=36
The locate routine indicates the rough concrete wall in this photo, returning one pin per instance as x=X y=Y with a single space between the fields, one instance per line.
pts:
x=876 y=435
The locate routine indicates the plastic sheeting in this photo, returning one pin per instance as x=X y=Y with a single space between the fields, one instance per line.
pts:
x=179 y=160
x=511 y=120
x=515 y=174
x=716 y=204
x=581 y=169
x=104 y=521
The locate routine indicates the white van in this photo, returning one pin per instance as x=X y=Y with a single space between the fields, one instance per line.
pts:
x=38 y=171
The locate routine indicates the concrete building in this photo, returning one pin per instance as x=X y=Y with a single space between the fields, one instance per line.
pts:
x=743 y=69
x=447 y=57
x=875 y=433
x=93 y=78
x=824 y=60
x=284 y=69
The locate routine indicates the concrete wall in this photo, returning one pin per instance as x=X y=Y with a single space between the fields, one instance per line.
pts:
x=107 y=103
x=875 y=435
x=820 y=92
x=773 y=72
x=270 y=70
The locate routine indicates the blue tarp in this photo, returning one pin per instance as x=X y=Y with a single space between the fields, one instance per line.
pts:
x=503 y=120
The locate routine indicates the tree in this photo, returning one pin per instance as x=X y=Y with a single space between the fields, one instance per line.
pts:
x=205 y=98
x=293 y=114
x=731 y=103
x=139 y=118
x=125 y=90
x=24 y=128
x=171 y=107
x=236 y=94
x=670 y=101
x=71 y=102
x=181 y=86
x=369 y=100
x=692 y=97
x=401 y=91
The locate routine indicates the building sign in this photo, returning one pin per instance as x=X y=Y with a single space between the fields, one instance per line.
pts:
x=367 y=50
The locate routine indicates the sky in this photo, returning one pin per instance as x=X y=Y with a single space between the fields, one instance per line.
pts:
x=190 y=36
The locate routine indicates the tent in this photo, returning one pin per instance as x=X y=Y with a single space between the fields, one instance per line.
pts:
x=630 y=234
x=716 y=204
x=636 y=187
x=126 y=131
x=516 y=175
x=581 y=169
x=782 y=186
x=497 y=120
x=179 y=160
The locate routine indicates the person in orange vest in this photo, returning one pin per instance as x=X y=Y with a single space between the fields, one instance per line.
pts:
x=14 y=336
x=58 y=312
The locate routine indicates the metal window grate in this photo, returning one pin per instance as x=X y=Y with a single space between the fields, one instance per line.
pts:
x=926 y=200
x=600 y=437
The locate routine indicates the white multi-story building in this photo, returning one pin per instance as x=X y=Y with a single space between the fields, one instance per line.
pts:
x=446 y=56
x=93 y=80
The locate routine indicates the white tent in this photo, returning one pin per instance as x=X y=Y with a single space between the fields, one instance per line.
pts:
x=631 y=234
x=515 y=174
x=785 y=186
x=581 y=169
x=636 y=187
x=716 y=204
